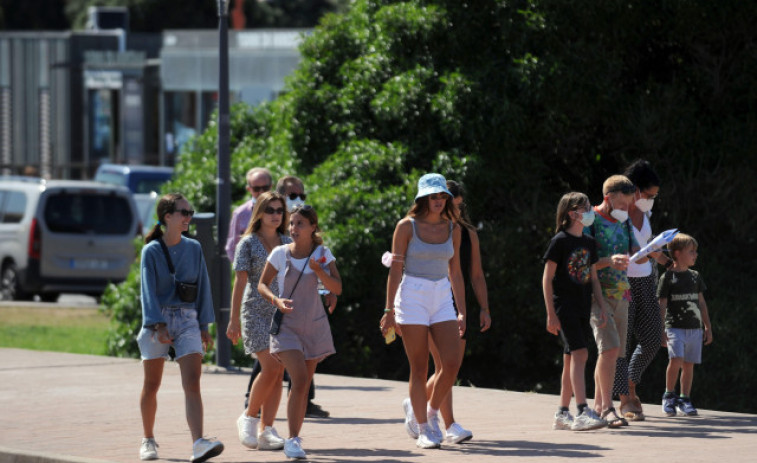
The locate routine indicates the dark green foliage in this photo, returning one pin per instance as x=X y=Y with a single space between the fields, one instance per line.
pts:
x=522 y=101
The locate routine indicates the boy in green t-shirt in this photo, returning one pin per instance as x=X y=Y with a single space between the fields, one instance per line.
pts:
x=684 y=310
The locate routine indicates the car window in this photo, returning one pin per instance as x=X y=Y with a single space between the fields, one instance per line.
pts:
x=149 y=185
x=88 y=213
x=15 y=205
x=111 y=177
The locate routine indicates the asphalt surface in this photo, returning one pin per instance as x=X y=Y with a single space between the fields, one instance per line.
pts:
x=58 y=407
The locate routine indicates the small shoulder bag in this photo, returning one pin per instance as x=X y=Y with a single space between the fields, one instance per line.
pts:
x=187 y=292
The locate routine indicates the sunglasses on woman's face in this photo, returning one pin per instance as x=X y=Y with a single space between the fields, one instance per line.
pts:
x=271 y=210
x=294 y=196
x=260 y=189
x=437 y=196
x=186 y=212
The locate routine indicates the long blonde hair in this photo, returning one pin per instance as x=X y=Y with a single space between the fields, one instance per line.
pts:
x=263 y=201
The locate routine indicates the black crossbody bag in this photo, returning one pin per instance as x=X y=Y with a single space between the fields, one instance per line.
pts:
x=279 y=315
x=187 y=292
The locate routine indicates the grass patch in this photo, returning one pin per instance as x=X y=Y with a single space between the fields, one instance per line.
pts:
x=73 y=330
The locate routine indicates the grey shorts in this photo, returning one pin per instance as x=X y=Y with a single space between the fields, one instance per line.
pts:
x=183 y=327
x=685 y=343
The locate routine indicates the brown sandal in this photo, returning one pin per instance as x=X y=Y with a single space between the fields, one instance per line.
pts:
x=612 y=418
x=632 y=410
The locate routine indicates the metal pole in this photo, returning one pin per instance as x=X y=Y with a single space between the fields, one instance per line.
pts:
x=223 y=192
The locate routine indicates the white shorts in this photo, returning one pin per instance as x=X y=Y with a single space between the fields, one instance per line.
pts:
x=423 y=302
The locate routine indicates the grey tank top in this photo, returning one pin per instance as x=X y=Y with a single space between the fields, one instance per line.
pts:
x=426 y=260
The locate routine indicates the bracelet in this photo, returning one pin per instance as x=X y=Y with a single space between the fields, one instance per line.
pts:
x=273 y=300
x=388 y=310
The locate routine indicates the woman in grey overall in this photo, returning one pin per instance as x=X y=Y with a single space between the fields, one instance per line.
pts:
x=301 y=337
x=173 y=317
x=425 y=265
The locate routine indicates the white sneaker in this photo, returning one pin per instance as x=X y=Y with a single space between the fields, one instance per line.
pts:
x=148 y=450
x=587 y=421
x=204 y=449
x=434 y=428
x=293 y=448
x=269 y=439
x=427 y=440
x=411 y=424
x=457 y=434
x=248 y=430
x=563 y=420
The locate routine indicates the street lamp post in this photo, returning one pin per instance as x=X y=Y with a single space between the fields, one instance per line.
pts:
x=223 y=191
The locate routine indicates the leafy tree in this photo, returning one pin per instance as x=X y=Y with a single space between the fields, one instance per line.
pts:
x=522 y=101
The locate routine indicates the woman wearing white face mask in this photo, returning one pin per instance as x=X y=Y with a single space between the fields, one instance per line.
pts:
x=644 y=323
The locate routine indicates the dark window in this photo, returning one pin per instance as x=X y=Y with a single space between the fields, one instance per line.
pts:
x=15 y=205
x=88 y=213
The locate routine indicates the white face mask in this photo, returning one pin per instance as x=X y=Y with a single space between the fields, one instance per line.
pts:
x=644 y=205
x=292 y=203
x=620 y=216
x=587 y=218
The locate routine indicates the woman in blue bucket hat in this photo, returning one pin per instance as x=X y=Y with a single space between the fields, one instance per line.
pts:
x=425 y=265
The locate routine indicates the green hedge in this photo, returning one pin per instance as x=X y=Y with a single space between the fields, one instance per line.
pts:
x=522 y=101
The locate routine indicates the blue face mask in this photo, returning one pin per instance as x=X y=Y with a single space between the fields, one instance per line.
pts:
x=587 y=218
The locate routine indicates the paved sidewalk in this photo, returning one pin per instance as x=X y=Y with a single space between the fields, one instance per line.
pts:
x=77 y=408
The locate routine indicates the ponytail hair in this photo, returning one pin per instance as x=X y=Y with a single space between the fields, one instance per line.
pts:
x=166 y=205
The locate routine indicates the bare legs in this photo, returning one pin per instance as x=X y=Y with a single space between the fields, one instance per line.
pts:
x=301 y=372
x=675 y=365
x=604 y=376
x=265 y=392
x=446 y=406
x=191 y=369
x=415 y=338
x=148 y=400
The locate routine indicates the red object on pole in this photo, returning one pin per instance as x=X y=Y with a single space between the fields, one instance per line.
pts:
x=238 y=19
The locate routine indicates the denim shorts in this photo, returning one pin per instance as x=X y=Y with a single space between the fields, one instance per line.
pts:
x=423 y=302
x=685 y=343
x=182 y=326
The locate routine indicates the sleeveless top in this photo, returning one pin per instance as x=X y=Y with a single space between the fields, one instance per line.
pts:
x=426 y=260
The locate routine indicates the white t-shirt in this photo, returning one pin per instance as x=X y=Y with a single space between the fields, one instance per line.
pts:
x=278 y=258
x=642 y=237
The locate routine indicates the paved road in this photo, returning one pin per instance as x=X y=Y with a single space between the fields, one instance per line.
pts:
x=63 y=407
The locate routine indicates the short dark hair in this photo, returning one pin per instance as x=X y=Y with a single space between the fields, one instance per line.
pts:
x=641 y=173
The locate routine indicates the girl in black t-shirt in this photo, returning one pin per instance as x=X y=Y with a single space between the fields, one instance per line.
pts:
x=570 y=278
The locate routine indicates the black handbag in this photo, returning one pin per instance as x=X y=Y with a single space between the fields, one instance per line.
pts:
x=187 y=292
x=279 y=315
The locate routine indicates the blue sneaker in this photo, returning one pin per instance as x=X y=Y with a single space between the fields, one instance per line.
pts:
x=686 y=407
x=669 y=402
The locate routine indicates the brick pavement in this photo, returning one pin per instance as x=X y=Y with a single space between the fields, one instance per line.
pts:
x=77 y=408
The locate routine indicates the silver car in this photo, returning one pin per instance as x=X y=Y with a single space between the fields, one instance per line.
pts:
x=64 y=237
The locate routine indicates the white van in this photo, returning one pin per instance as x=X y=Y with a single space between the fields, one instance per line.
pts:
x=64 y=237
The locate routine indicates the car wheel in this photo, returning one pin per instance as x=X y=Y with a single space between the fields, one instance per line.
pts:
x=9 y=289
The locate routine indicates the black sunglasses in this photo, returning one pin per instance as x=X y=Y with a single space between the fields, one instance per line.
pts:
x=186 y=212
x=294 y=196
x=271 y=210
x=625 y=189
x=259 y=189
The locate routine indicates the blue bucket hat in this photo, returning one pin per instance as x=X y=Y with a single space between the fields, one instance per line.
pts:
x=430 y=184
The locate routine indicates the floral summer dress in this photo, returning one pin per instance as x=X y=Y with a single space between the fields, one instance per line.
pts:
x=250 y=257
